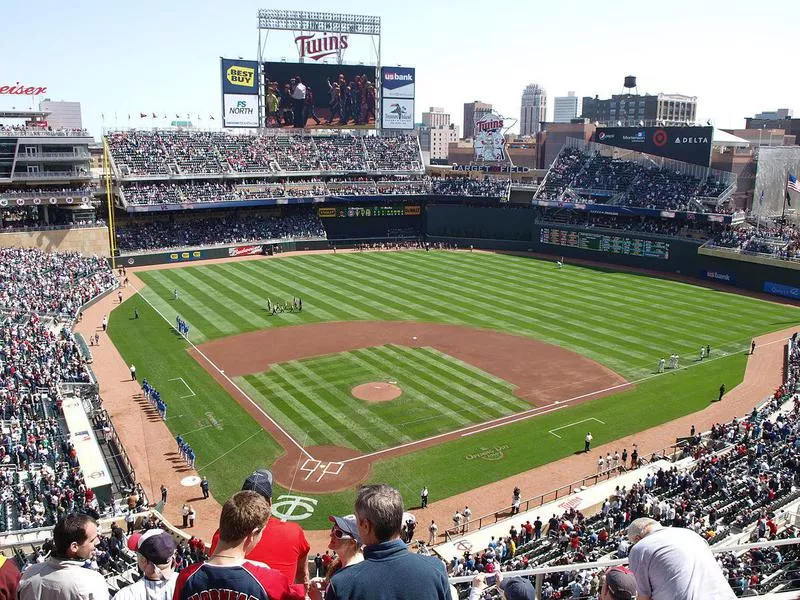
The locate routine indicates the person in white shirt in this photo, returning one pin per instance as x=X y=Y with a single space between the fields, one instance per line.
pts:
x=155 y=557
x=299 y=103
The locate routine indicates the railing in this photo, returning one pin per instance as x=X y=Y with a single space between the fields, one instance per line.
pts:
x=505 y=512
x=51 y=175
x=40 y=132
x=24 y=156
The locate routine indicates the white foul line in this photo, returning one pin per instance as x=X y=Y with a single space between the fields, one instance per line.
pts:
x=228 y=379
x=575 y=423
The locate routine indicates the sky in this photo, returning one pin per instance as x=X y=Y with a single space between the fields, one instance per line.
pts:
x=120 y=58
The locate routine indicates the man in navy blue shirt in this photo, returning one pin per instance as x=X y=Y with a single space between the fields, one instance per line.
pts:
x=389 y=571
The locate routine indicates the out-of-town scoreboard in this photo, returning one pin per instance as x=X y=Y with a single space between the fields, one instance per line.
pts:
x=369 y=211
x=600 y=242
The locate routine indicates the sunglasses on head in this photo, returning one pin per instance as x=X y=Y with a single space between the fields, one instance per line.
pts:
x=339 y=534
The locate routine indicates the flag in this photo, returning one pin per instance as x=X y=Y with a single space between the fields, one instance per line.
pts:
x=211 y=117
x=177 y=116
x=142 y=115
x=155 y=116
x=793 y=185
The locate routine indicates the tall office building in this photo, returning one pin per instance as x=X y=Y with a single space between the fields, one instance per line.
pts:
x=565 y=108
x=774 y=115
x=435 y=117
x=534 y=110
x=472 y=110
x=65 y=115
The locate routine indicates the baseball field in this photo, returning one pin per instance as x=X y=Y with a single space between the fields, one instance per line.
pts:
x=410 y=367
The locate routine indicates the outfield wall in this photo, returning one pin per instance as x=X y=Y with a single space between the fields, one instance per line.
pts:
x=86 y=240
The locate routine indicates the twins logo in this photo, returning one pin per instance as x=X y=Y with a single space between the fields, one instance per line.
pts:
x=286 y=505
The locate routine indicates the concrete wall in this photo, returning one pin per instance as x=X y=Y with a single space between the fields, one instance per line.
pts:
x=86 y=240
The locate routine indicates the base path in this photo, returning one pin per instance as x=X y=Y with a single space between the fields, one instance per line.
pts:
x=526 y=363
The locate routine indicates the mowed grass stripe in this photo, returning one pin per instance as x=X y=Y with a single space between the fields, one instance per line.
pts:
x=375 y=309
x=583 y=338
x=399 y=305
x=237 y=310
x=556 y=282
x=349 y=405
x=609 y=335
x=201 y=326
x=488 y=401
x=289 y=280
x=517 y=301
x=247 y=302
x=202 y=302
x=303 y=416
x=327 y=406
x=421 y=384
x=273 y=290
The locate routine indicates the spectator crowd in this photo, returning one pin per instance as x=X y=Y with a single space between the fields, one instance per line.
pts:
x=774 y=240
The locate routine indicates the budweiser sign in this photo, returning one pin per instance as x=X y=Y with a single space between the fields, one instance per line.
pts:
x=19 y=89
x=310 y=46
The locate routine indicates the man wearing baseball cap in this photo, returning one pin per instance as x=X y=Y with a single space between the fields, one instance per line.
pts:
x=155 y=550
x=512 y=588
x=283 y=545
x=619 y=584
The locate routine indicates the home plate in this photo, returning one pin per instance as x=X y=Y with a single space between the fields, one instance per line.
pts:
x=190 y=480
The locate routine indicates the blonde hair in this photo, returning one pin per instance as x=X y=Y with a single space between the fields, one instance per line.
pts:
x=241 y=514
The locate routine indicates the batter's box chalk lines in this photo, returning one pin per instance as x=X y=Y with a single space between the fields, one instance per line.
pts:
x=324 y=468
x=191 y=391
x=575 y=423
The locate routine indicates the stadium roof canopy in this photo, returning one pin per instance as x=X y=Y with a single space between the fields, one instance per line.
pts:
x=723 y=138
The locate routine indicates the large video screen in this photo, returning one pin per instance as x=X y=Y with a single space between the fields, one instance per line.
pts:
x=336 y=96
x=686 y=144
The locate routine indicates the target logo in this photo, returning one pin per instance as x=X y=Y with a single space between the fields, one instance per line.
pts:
x=660 y=138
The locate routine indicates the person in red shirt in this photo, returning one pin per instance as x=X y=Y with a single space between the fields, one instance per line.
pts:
x=283 y=546
x=228 y=574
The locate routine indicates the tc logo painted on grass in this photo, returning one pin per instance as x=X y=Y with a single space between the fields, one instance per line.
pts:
x=491 y=454
x=292 y=503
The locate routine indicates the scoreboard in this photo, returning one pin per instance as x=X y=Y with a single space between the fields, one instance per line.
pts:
x=601 y=242
x=369 y=211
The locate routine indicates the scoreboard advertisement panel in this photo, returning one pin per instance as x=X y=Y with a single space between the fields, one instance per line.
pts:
x=600 y=242
x=337 y=96
x=239 y=93
x=333 y=212
x=686 y=144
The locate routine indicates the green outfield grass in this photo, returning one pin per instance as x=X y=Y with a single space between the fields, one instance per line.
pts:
x=624 y=321
x=311 y=398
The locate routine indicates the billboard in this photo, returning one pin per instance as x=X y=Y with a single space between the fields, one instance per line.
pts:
x=397 y=113
x=336 y=96
x=241 y=110
x=489 y=144
x=398 y=82
x=239 y=93
x=686 y=144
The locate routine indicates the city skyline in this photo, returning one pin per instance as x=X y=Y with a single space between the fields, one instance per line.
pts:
x=164 y=58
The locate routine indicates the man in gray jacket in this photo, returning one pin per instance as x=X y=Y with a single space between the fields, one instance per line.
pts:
x=63 y=576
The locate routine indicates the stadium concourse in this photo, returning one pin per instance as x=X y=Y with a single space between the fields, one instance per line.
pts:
x=152 y=447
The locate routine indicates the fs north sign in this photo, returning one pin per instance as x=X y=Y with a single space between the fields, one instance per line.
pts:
x=315 y=48
x=20 y=89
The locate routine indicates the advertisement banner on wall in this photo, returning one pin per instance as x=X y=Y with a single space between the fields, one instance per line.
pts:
x=240 y=110
x=337 y=96
x=397 y=113
x=780 y=289
x=686 y=144
x=239 y=76
x=398 y=82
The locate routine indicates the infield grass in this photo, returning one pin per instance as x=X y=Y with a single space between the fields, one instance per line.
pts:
x=624 y=321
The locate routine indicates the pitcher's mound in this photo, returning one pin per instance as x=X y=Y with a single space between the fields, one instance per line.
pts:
x=376 y=391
